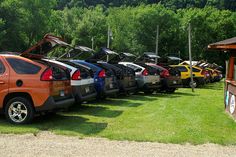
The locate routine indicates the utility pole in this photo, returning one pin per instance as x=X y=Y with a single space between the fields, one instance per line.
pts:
x=108 y=37
x=190 y=57
x=157 y=40
x=92 y=42
x=179 y=55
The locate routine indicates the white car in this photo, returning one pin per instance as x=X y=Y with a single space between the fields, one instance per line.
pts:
x=147 y=80
x=82 y=81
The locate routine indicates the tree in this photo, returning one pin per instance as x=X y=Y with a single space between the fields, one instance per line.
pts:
x=91 y=24
x=36 y=17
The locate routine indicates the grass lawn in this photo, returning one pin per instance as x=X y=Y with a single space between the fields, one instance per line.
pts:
x=168 y=118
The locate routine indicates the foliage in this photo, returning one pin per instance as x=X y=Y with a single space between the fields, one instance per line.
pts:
x=133 y=25
x=173 y=4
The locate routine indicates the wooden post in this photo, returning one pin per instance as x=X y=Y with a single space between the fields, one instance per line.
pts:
x=157 y=40
x=190 y=57
x=108 y=37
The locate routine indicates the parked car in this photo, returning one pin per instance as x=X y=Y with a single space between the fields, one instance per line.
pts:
x=170 y=76
x=104 y=77
x=125 y=75
x=148 y=79
x=214 y=74
x=199 y=75
x=208 y=72
x=32 y=86
x=81 y=80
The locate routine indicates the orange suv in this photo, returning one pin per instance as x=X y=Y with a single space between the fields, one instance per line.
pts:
x=29 y=86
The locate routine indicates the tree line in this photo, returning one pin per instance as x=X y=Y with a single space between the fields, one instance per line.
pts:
x=22 y=23
x=173 y=4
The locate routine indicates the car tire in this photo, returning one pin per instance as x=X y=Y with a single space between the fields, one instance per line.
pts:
x=170 y=90
x=19 y=110
x=148 y=91
x=194 y=83
x=78 y=101
x=197 y=83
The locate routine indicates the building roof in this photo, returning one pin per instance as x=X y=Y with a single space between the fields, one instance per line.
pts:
x=224 y=45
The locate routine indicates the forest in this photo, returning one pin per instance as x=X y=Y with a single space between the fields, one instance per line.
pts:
x=133 y=24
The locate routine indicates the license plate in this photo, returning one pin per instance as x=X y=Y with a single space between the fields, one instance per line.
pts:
x=62 y=93
x=87 y=89
x=174 y=82
x=111 y=85
x=153 y=82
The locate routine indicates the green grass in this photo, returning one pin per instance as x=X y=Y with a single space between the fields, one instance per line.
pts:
x=181 y=117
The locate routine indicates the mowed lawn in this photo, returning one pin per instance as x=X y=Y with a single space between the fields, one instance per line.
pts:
x=182 y=117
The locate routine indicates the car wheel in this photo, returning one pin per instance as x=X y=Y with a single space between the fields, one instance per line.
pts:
x=193 y=84
x=148 y=91
x=19 y=110
x=170 y=90
x=78 y=101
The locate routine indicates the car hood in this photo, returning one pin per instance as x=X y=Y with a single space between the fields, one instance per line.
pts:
x=127 y=57
x=78 y=52
x=105 y=55
x=44 y=46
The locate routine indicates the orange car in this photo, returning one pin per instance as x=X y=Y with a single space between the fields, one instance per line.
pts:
x=30 y=86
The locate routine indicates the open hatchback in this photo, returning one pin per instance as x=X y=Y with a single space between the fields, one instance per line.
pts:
x=147 y=77
x=82 y=81
x=125 y=76
x=104 y=76
x=170 y=76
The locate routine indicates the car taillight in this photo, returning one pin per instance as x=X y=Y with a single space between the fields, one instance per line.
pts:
x=145 y=72
x=165 y=73
x=47 y=75
x=102 y=74
x=76 y=75
x=204 y=72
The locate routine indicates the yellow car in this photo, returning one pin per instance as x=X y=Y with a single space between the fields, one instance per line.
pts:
x=199 y=75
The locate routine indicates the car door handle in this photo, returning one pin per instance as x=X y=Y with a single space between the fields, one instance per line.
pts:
x=2 y=82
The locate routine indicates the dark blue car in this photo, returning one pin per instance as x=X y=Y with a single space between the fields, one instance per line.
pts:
x=104 y=79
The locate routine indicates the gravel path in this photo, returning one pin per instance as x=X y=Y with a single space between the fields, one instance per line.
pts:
x=48 y=144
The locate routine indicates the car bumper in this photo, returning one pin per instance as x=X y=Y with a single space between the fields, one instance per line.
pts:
x=127 y=86
x=84 y=93
x=148 y=86
x=50 y=104
x=111 y=91
x=168 y=83
x=201 y=80
x=148 y=82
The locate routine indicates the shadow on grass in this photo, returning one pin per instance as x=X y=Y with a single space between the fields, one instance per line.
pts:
x=55 y=122
x=185 y=94
x=214 y=86
x=122 y=102
x=71 y=123
x=94 y=110
x=166 y=95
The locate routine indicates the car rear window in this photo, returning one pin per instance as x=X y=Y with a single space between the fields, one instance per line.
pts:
x=2 y=68
x=23 y=67
x=59 y=73
x=196 y=70
x=134 y=67
x=182 y=69
x=94 y=68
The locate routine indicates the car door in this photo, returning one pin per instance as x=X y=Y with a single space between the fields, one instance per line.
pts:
x=185 y=74
x=4 y=80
